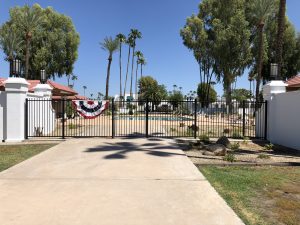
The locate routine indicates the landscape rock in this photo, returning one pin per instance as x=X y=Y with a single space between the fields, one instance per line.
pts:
x=208 y=153
x=217 y=149
x=223 y=141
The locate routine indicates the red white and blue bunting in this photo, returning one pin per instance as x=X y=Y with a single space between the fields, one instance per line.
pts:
x=90 y=109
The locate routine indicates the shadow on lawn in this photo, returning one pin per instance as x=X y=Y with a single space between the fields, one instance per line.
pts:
x=121 y=149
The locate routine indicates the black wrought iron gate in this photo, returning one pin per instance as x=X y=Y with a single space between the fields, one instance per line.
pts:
x=57 y=118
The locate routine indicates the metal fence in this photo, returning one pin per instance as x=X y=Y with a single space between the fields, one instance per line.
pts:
x=57 y=118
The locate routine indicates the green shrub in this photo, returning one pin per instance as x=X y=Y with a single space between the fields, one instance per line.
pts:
x=269 y=146
x=236 y=135
x=246 y=140
x=235 y=146
x=172 y=129
x=229 y=157
x=204 y=138
x=263 y=156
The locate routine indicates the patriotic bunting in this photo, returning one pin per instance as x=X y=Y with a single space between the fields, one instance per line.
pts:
x=90 y=109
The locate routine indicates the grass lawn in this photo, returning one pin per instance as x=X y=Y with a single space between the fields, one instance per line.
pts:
x=259 y=195
x=13 y=154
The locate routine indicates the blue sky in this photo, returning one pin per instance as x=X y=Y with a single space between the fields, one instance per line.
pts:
x=158 y=20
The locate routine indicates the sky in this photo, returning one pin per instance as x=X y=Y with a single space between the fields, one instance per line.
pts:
x=160 y=21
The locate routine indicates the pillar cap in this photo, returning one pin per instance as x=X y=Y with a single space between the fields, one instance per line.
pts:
x=15 y=80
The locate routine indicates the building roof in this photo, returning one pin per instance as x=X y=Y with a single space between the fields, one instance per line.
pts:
x=58 y=89
x=74 y=97
x=294 y=81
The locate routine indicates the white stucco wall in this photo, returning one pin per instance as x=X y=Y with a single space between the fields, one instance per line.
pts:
x=2 y=115
x=284 y=119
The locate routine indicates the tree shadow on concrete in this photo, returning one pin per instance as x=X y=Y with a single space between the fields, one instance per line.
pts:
x=120 y=149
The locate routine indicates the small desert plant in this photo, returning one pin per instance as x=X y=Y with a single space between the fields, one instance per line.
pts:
x=204 y=138
x=229 y=157
x=269 y=146
x=235 y=146
x=236 y=135
x=263 y=156
x=246 y=140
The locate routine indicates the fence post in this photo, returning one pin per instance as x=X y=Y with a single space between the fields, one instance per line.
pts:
x=26 y=118
x=244 y=118
x=113 y=119
x=63 y=119
x=195 y=119
x=147 y=118
x=266 y=120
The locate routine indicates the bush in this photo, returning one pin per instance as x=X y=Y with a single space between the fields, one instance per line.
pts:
x=268 y=146
x=229 y=157
x=204 y=138
x=246 y=140
x=236 y=135
x=235 y=146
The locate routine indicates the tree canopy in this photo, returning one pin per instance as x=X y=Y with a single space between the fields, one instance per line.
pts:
x=54 y=44
x=150 y=89
x=202 y=97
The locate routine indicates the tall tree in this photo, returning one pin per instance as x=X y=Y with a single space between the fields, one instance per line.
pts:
x=122 y=39
x=280 y=34
x=73 y=78
x=110 y=45
x=134 y=34
x=138 y=55
x=261 y=11
x=142 y=62
x=51 y=37
x=129 y=42
x=10 y=42
x=28 y=20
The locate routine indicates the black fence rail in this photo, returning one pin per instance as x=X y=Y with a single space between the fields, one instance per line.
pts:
x=58 y=118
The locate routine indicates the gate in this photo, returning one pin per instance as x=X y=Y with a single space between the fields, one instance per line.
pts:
x=57 y=118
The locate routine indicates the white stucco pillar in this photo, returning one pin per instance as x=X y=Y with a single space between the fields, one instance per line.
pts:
x=44 y=90
x=271 y=89
x=16 y=91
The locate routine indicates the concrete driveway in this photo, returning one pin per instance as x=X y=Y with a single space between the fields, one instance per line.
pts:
x=110 y=181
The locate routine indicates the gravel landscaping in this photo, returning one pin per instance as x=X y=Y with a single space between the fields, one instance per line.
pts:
x=246 y=152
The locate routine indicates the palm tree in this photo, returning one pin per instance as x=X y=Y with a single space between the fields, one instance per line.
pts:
x=92 y=95
x=174 y=86
x=122 y=39
x=84 y=88
x=29 y=20
x=73 y=78
x=261 y=12
x=142 y=62
x=134 y=34
x=139 y=55
x=129 y=42
x=100 y=95
x=280 y=33
x=11 y=43
x=110 y=45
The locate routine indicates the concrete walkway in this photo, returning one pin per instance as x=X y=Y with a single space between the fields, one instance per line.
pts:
x=110 y=182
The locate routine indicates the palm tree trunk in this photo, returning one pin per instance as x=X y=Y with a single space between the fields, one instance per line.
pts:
x=127 y=70
x=120 y=64
x=107 y=77
x=141 y=70
x=280 y=33
x=27 y=57
x=228 y=90
x=136 y=77
x=260 y=61
x=132 y=64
